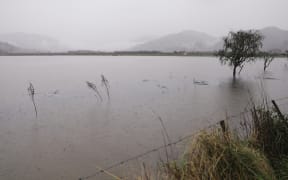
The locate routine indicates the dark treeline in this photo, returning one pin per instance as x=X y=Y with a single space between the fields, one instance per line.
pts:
x=129 y=53
x=115 y=53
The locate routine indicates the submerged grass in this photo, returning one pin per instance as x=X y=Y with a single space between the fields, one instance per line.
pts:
x=93 y=87
x=105 y=83
x=31 y=92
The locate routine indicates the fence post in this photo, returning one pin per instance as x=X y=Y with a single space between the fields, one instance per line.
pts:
x=223 y=126
x=277 y=110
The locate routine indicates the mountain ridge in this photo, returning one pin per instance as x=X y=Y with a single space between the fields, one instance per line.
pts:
x=275 y=39
x=32 y=42
x=6 y=48
x=188 y=40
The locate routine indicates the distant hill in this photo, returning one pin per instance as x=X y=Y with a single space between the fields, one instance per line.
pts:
x=275 y=40
x=32 y=42
x=183 y=41
x=8 y=48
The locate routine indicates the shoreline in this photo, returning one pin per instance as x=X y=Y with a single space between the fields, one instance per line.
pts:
x=126 y=53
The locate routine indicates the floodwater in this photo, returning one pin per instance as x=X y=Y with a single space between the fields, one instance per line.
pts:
x=75 y=132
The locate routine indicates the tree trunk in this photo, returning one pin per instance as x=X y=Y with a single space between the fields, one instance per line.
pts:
x=234 y=71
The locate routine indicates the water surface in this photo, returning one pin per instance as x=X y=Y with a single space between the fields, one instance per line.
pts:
x=75 y=132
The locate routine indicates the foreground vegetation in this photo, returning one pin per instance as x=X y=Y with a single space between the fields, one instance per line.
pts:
x=258 y=149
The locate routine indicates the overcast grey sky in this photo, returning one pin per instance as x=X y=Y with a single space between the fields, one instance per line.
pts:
x=106 y=23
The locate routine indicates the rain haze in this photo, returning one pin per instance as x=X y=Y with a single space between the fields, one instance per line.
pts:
x=118 y=24
x=143 y=89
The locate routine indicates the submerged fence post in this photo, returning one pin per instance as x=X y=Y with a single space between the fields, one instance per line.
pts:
x=277 y=110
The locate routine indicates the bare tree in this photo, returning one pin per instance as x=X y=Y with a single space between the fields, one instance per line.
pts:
x=268 y=58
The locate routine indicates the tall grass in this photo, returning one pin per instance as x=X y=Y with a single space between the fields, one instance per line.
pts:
x=268 y=132
x=214 y=155
x=220 y=153
x=105 y=83
x=93 y=87
x=31 y=92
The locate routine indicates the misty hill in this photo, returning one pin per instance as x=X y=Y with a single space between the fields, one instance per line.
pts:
x=32 y=42
x=8 y=48
x=275 y=40
x=183 y=41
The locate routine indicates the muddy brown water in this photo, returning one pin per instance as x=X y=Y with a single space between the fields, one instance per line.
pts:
x=75 y=132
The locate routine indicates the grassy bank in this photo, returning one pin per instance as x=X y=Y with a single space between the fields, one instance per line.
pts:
x=257 y=150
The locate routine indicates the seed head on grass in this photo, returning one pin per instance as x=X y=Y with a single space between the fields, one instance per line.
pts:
x=93 y=87
x=105 y=83
x=31 y=92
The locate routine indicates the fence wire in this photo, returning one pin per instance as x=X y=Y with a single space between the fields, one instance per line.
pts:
x=228 y=118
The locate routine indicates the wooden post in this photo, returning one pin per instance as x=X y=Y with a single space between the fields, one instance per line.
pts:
x=223 y=126
x=278 y=110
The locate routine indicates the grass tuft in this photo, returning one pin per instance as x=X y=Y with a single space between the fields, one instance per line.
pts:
x=258 y=151
x=214 y=155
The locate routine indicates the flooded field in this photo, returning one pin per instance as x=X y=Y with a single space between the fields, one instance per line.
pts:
x=77 y=129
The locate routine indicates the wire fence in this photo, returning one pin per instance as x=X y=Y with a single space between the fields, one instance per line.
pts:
x=228 y=118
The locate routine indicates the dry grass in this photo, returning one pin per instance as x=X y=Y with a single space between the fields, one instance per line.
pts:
x=214 y=155
x=262 y=153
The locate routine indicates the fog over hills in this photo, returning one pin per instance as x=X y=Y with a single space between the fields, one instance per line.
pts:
x=183 y=41
x=32 y=42
x=8 y=48
x=275 y=39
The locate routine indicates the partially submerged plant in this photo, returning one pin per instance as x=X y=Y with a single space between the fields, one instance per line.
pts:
x=268 y=58
x=94 y=88
x=31 y=92
x=105 y=83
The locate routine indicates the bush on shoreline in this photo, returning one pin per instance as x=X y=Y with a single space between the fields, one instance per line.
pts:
x=214 y=155
x=262 y=153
